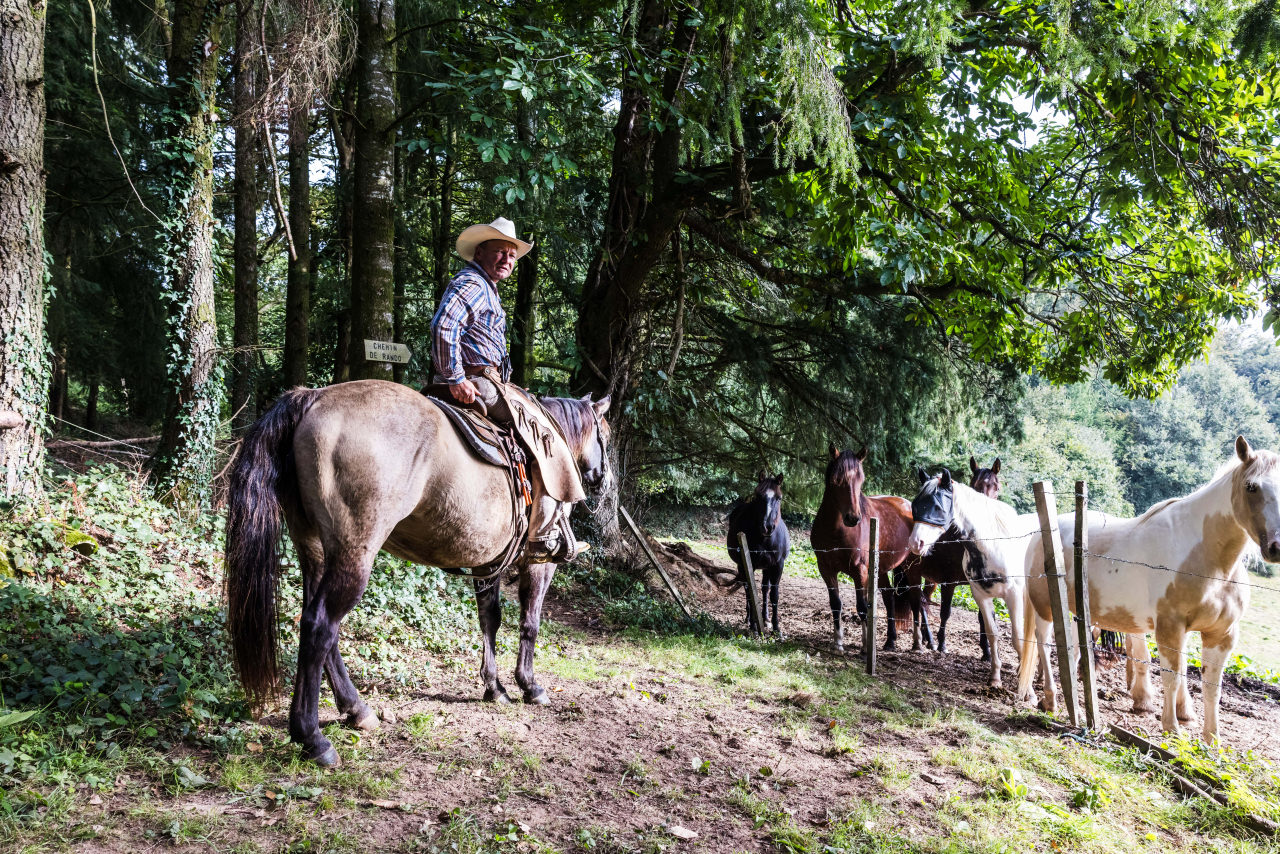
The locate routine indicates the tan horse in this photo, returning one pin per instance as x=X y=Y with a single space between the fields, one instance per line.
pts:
x=358 y=467
x=1174 y=569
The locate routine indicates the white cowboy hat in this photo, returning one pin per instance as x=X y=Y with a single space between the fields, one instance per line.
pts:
x=500 y=229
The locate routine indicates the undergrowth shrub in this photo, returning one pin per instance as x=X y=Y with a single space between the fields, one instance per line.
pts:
x=112 y=624
x=626 y=602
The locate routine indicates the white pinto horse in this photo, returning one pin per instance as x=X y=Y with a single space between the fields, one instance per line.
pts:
x=1174 y=569
x=996 y=539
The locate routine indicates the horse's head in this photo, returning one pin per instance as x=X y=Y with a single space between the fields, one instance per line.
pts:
x=986 y=481
x=1255 y=497
x=582 y=422
x=768 y=498
x=932 y=510
x=844 y=481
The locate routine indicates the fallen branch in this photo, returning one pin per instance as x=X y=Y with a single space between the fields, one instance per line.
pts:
x=110 y=443
x=1163 y=759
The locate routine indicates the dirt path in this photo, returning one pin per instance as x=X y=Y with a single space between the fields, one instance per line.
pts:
x=1249 y=717
x=650 y=743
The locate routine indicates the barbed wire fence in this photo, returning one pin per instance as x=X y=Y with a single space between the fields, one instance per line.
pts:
x=1064 y=615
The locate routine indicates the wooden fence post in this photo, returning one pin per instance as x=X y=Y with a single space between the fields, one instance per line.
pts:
x=1083 y=623
x=635 y=530
x=1051 y=539
x=873 y=580
x=752 y=600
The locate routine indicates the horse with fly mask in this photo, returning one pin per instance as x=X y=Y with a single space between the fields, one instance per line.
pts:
x=1000 y=537
x=945 y=565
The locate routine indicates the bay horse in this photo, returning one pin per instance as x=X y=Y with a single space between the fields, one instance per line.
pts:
x=944 y=565
x=1177 y=568
x=768 y=543
x=996 y=565
x=841 y=537
x=358 y=467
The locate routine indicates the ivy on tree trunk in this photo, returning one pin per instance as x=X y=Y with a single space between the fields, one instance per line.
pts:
x=24 y=367
x=372 y=245
x=183 y=466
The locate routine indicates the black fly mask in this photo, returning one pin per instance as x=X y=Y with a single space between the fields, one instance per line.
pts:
x=934 y=504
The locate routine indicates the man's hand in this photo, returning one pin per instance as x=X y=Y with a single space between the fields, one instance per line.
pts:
x=465 y=391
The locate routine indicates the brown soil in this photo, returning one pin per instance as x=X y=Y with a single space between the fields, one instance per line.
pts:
x=1249 y=712
x=617 y=762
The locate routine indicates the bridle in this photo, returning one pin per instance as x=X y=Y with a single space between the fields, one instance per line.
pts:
x=598 y=420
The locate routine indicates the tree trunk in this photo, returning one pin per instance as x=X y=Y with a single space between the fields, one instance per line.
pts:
x=642 y=215
x=183 y=465
x=24 y=370
x=342 y=123
x=400 y=260
x=58 y=394
x=248 y=201
x=524 y=322
x=341 y=367
x=297 y=308
x=91 y=407
x=373 y=243
x=444 y=220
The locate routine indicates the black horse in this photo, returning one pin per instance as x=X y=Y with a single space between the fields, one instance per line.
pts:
x=768 y=541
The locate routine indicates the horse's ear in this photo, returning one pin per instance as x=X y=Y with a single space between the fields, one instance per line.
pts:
x=945 y=483
x=762 y=474
x=973 y=465
x=779 y=478
x=601 y=406
x=862 y=453
x=1243 y=451
x=833 y=450
x=995 y=467
x=923 y=475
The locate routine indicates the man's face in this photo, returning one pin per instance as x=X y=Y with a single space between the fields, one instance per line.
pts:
x=497 y=258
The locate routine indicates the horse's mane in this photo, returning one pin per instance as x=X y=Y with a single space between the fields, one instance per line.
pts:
x=841 y=468
x=765 y=485
x=572 y=416
x=1001 y=515
x=1264 y=462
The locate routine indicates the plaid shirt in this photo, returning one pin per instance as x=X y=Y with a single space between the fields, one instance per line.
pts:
x=469 y=328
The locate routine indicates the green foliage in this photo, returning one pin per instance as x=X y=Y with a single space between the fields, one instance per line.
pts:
x=124 y=647
x=1250 y=781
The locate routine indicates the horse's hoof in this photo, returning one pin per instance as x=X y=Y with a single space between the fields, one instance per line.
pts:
x=499 y=697
x=327 y=758
x=368 y=722
x=537 y=696
x=1143 y=708
x=837 y=649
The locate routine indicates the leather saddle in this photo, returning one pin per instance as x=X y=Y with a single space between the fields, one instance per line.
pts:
x=478 y=433
x=490 y=443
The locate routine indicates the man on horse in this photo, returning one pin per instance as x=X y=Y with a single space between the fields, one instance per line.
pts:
x=469 y=353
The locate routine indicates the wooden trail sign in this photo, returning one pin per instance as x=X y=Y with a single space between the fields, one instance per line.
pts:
x=386 y=351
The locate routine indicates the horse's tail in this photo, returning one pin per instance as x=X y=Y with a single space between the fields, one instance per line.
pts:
x=1029 y=653
x=263 y=483
x=903 y=591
